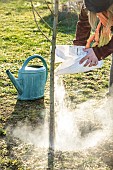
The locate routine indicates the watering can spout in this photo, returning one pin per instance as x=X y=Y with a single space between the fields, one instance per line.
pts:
x=14 y=81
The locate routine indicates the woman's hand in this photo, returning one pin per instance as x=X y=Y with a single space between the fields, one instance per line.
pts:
x=91 y=58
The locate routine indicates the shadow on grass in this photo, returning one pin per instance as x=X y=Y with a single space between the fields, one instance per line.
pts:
x=33 y=111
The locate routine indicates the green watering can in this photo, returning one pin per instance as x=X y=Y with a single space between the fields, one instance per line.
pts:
x=31 y=80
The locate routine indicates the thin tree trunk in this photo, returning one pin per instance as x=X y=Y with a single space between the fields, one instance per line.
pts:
x=52 y=111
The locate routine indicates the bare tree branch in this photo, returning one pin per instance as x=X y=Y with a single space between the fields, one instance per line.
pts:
x=37 y=23
x=41 y=18
x=49 y=7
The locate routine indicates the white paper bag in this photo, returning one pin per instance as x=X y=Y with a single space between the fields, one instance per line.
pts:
x=69 y=56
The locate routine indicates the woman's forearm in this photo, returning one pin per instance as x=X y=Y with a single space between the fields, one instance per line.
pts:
x=104 y=51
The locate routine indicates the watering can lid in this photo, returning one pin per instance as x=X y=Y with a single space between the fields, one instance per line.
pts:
x=31 y=69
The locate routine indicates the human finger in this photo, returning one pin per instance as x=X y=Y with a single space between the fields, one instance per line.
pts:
x=87 y=63
x=93 y=63
x=83 y=59
x=85 y=49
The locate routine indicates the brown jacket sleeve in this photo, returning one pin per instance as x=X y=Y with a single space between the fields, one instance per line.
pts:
x=104 y=51
x=83 y=28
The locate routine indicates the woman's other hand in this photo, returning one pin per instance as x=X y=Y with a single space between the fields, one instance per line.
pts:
x=91 y=58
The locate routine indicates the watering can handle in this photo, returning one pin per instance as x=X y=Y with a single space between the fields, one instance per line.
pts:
x=36 y=56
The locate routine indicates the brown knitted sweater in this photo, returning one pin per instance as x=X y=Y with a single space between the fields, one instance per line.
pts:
x=83 y=33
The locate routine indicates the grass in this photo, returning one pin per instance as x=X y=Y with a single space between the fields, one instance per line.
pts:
x=19 y=39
